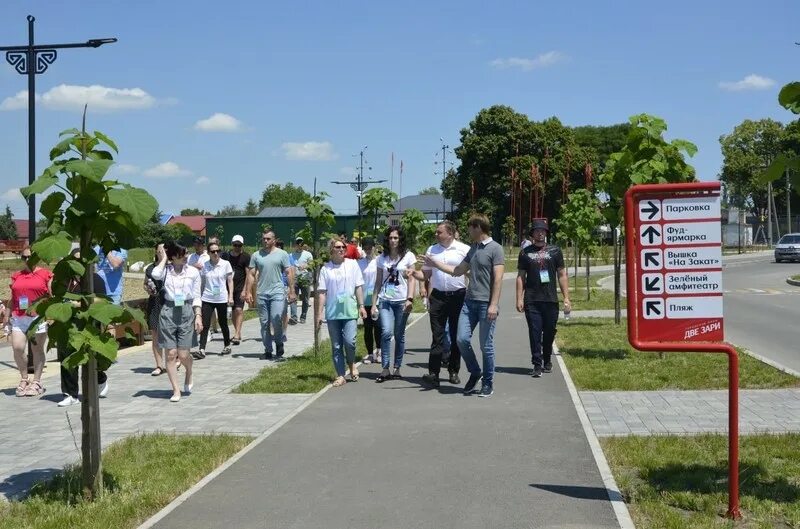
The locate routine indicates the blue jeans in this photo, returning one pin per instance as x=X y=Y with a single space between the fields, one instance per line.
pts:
x=270 y=314
x=473 y=313
x=393 y=323
x=343 y=342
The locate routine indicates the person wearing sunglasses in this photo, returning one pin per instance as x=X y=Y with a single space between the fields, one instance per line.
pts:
x=239 y=260
x=341 y=303
x=28 y=285
x=217 y=296
x=395 y=288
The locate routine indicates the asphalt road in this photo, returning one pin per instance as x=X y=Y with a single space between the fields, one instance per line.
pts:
x=762 y=311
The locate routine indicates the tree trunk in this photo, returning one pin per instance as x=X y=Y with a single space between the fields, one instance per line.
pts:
x=588 y=285
x=91 y=465
x=617 y=266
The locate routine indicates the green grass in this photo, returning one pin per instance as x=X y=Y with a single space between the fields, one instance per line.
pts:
x=681 y=482
x=307 y=373
x=796 y=278
x=142 y=474
x=599 y=358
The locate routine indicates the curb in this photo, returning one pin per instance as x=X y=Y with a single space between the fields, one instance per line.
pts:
x=793 y=282
x=614 y=495
x=771 y=363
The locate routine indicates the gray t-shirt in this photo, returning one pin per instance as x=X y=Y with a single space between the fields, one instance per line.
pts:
x=482 y=259
x=270 y=267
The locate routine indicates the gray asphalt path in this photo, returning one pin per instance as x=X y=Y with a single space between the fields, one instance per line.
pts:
x=399 y=455
x=762 y=310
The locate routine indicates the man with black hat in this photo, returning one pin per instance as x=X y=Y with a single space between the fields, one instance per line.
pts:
x=540 y=265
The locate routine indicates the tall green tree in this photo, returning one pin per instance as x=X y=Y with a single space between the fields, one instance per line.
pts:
x=413 y=222
x=377 y=202
x=432 y=190
x=276 y=195
x=89 y=208
x=231 y=210
x=250 y=208
x=195 y=212
x=579 y=219
x=8 y=230
x=646 y=158
x=788 y=162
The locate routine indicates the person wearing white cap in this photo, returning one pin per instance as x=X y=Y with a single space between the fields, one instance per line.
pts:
x=239 y=260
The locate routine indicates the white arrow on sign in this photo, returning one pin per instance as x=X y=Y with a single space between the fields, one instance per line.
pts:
x=652 y=284
x=649 y=210
x=653 y=308
x=652 y=259
x=650 y=234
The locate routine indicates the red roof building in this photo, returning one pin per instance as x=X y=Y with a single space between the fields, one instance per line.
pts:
x=196 y=223
x=22 y=230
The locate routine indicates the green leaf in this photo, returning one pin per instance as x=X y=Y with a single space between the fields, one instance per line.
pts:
x=100 y=155
x=104 y=311
x=137 y=203
x=92 y=169
x=136 y=314
x=789 y=97
x=688 y=147
x=59 y=312
x=69 y=266
x=105 y=346
x=40 y=185
x=52 y=247
x=61 y=148
x=52 y=203
x=73 y=131
x=77 y=358
x=105 y=139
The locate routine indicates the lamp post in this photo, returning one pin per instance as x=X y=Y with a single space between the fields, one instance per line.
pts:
x=359 y=185
x=445 y=149
x=31 y=60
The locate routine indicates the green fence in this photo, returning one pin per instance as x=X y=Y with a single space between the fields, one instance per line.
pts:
x=284 y=227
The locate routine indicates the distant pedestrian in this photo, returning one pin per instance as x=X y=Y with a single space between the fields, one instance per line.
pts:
x=486 y=264
x=200 y=256
x=239 y=260
x=217 y=296
x=180 y=319
x=265 y=270
x=352 y=248
x=285 y=277
x=28 y=285
x=395 y=289
x=539 y=266
x=110 y=268
x=341 y=303
x=446 y=300
x=301 y=260
x=155 y=299
x=372 y=326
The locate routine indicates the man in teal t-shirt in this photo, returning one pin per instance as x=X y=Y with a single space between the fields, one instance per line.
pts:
x=266 y=272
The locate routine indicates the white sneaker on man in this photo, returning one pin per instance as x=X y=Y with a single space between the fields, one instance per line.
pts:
x=103 y=390
x=69 y=400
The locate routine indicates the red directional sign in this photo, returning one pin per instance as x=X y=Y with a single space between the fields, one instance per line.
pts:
x=678 y=267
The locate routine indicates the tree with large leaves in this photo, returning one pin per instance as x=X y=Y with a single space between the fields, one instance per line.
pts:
x=579 y=219
x=84 y=206
x=413 y=222
x=646 y=158
x=377 y=202
x=787 y=161
x=276 y=195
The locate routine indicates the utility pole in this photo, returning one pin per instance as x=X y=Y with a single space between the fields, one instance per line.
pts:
x=445 y=148
x=788 y=203
x=359 y=185
x=769 y=213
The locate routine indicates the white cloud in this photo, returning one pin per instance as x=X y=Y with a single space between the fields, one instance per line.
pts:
x=166 y=170
x=750 y=82
x=310 y=150
x=202 y=180
x=219 y=122
x=12 y=195
x=540 y=61
x=72 y=97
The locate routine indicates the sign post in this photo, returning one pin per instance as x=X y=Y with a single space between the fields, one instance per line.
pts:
x=674 y=280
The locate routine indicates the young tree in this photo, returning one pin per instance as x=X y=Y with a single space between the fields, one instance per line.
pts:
x=788 y=98
x=509 y=231
x=251 y=208
x=8 y=230
x=91 y=209
x=580 y=216
x=646 y=158
x=377 y=202
x=276 y=195
x=412 y=223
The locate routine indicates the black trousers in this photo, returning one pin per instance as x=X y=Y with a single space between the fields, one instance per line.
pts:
x=444 y=307
x=222 y=319
x=69 y=377
x=372 y=334
x=542 y=317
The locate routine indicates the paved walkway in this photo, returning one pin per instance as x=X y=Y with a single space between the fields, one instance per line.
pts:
x=41 y=442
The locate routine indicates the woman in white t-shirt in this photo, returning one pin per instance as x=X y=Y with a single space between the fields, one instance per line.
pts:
x=341 y=297
x=395 y=297
x=217 y=296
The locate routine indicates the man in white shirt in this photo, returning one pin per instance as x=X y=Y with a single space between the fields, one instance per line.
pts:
x=445 y=301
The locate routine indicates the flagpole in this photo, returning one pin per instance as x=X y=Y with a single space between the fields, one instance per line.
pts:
x=391 y=180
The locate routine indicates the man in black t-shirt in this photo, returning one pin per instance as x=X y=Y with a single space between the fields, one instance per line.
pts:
x=239 y=260
x=540 y=265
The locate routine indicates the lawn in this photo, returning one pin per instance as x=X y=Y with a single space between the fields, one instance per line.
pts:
x=674 y=482
x=142 y=474
x=599 y=358
x=307 y=373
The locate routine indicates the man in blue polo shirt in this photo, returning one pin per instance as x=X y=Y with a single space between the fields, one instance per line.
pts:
x=110 y=267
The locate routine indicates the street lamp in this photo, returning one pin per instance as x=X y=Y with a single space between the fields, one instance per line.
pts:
x=359 y=185
x=445 y=150
x=31 y=60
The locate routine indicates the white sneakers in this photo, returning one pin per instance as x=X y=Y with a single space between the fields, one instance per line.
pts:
x=103 y=390
x=69 y=400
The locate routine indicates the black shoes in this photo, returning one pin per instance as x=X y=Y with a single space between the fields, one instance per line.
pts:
x=548 y=367
x=432 y=379
x=486 y=390
x=471 y=383
x=454 y=378
x=536 y=372
x=267 y=355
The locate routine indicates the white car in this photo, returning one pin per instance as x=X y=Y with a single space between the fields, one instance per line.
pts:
x=788 y=248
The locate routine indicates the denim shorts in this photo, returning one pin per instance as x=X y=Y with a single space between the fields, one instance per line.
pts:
x=23 y=323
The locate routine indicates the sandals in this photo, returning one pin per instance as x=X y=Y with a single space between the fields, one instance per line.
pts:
x=339 y=382
x=236 y=341
x=34 y=389
x=354 y=375
x=158 y=371
x=21 y=387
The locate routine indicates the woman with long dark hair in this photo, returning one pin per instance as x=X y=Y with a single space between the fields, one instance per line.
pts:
x=180 y=319
x=395 y=289
x=154 y=302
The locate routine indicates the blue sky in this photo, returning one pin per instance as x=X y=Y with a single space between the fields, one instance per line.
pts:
x=212 y=101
